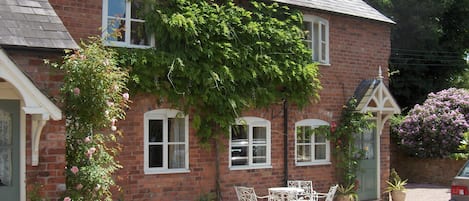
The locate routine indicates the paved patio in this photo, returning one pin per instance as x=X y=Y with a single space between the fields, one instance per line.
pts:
x=427 y=192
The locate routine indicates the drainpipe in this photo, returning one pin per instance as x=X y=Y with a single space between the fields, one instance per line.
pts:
x=285 y=140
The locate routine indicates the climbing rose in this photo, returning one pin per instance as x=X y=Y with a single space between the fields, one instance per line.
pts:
x=67 y=199
x=76 y=91
x=87 y=139
x=74 y=169
x=90 y=152
x=126 y=96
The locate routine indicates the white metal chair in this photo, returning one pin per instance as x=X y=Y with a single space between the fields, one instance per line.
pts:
x=329 y=196
x=247 y=194
x=307 y=186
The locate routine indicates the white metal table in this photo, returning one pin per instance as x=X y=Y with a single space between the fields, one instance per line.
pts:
x=284 y=193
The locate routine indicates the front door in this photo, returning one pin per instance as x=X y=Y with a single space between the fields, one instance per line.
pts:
x=9 y=150
x=367 y=174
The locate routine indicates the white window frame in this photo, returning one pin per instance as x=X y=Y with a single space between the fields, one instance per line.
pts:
x=128 y=20
x=253 y=122
x=320 y=21
x=313 y=123
x=164 y=114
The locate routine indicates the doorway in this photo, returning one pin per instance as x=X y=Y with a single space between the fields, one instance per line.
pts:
x=367 y=174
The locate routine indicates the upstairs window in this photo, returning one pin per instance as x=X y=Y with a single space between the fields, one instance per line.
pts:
x=311 y=145
x=123 y=25
x=166 y=141
x=317 y=37
x=250 y=143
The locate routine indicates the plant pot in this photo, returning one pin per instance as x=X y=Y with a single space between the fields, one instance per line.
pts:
x=398 y=195
x=342 y=198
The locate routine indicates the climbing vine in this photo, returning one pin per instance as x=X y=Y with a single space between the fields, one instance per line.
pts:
x=347 y=154
x=217 y=60
x=94 y=99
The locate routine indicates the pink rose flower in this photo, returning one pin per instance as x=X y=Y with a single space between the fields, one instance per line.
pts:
x=76 y=91
x=67 y=199
x=87 y=139
x=126 y=96
x=110 y=104
x=92 y=150
x=74 y=169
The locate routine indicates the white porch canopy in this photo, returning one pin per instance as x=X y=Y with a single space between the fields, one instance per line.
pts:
x=34 y=102
x=373 y=96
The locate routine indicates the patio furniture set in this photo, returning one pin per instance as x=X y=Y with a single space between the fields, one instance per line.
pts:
x=296 y=191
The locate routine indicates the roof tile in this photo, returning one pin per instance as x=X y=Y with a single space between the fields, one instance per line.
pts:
x=356 y=8
x=32 y=23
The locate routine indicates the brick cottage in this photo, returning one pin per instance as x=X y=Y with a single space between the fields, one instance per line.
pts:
x=349 y=39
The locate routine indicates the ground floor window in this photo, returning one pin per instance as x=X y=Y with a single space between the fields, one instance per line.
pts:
x=166 y=141
x=250 y=143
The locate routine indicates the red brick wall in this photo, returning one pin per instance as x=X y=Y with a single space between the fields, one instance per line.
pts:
x=429 y=171
x=81 y=18
x=357 y=48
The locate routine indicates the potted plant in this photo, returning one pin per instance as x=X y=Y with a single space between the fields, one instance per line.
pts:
x=396 y=186
x=346 y=193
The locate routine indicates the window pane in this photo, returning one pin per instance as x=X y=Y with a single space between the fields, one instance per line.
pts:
x=138 y=34
x=176 y=156
x=5 y=128
x=316 y=41
x=323 y=42
x=259 y=153
x=5 y=167
x=137 y=9
x=155 y=131
x=303 y=153
x=176 y=132
x=155 y=156
x=319 y=138
x=323 y=33
x=239 y=155
x=369 y=150
x=115 y=30
x=303 y=134
x=259 y=135
x=116 y=8
x=323 y=51
x=239 y=132
x=308 y=30
x=320 y=152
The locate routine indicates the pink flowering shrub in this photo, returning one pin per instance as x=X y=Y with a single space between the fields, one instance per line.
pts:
x=435 y=128
x=94 y=98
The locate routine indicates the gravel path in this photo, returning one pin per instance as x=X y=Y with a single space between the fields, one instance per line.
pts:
x=427 y=192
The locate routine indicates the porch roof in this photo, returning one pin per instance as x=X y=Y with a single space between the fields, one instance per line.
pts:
x=373 y=96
